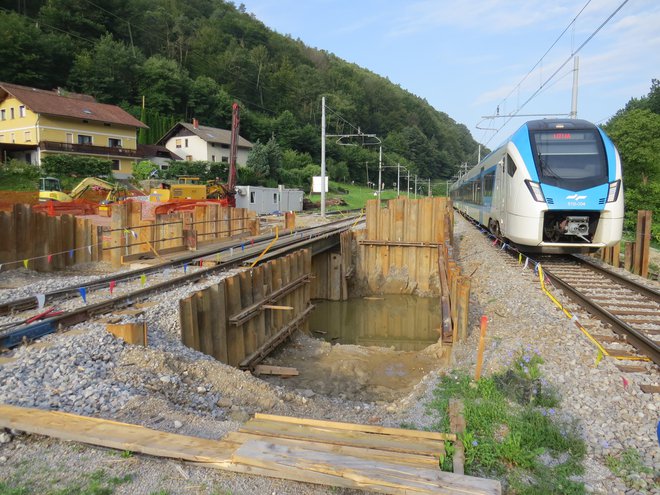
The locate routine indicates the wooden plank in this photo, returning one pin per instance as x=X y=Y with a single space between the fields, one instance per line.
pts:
x=205 y=322
x=122 y=436
x=265 y=369
x=650 y=389
x=632 y=369
x=383 y=477
x=188 y=320
x=374 y=455
x=463 y=307
x=457 y=426
x=219 y=316
x=249 y=328
x=235 y=345
x=383 y=430
x=258 y=296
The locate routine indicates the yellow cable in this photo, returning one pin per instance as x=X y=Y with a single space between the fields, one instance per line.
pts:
x=579 y=325
x=277 y=234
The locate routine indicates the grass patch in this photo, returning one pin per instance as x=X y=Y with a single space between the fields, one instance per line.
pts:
x=355 y=196
x=95 y=483
x=628 y=466
x=513 y=431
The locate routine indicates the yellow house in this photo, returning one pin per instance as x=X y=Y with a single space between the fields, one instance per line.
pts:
x=35 y=123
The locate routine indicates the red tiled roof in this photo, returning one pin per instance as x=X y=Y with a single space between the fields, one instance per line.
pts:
x=68 y=105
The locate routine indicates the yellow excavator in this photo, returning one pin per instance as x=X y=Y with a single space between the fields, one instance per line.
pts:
x=50 y=189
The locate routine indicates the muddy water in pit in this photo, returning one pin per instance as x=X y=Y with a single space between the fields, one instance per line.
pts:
x=396 y=339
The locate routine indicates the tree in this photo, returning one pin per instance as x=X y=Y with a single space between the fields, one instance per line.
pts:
x=636 y=134
x=265 y=160
x=165 y=85
x=109 y=71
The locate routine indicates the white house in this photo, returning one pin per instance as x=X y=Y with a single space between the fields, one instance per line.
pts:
x=198 y=142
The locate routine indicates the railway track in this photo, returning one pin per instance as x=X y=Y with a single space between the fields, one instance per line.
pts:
x=629 y=308
x=163 y=276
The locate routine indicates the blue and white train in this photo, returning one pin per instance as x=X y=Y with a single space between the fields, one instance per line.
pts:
x=553 y=187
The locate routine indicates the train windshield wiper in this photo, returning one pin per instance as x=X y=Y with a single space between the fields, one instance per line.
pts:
x=546 y=169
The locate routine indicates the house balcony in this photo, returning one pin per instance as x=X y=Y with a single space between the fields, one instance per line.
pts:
x=88 y=149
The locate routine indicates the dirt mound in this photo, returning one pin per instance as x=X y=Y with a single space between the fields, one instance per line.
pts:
x=9 y=198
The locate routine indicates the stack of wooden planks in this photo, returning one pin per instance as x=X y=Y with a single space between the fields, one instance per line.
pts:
x=367 y=457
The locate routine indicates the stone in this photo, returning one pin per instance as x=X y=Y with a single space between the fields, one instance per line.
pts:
x=178 y=424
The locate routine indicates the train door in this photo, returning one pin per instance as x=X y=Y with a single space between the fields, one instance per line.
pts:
x=480 y=201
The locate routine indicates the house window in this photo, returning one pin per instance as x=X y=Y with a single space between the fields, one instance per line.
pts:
x=116 y=165
x=114 y=143
x=253 y=198
x=178 y=143
x=225 y=146
x=69 y=138
x=13 y=137
x=21 y=111
x=11 y=113
x=28 y=138
x=275 y=198
x=2 y=138
x=212 y=158
x=186 y=142
x=82 y=139
x=225 y=159
x=189 y=158
x=3 y=114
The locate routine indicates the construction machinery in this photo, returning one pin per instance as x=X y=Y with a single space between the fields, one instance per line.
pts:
x=191 y=188
x=50 y=189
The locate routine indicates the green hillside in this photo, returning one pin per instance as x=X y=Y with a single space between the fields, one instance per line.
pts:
x=193 y=58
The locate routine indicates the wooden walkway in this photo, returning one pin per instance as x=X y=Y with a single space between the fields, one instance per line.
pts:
x=371 y=458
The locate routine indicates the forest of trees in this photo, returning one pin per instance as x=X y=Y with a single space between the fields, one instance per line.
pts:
x=193 y=58
x=635 y=130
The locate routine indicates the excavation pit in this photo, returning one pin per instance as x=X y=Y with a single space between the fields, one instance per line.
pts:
x=374 y=349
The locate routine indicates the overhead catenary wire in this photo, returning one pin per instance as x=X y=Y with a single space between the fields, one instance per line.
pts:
x=548 y=79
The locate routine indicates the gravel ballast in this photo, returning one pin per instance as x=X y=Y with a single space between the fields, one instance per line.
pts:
x=169 y=387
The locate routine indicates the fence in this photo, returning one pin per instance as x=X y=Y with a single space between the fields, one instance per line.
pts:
x=243 y=318
x=41 y=242
x=134 y=232
x=636 y=254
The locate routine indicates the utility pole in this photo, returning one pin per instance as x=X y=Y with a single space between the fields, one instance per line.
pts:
x=429 y=187
x=415 y=186
x=380 y=167
x=323 y=157
x=408 y=184
x=576 y=65
x=398 y=178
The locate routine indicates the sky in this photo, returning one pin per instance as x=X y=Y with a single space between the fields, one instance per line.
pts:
x=469 y=58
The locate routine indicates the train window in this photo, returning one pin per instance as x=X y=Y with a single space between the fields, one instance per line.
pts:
x=510 y=166
x=569 y=155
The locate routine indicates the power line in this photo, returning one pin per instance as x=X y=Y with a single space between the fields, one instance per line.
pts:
x=575 y=52
x=540 y=60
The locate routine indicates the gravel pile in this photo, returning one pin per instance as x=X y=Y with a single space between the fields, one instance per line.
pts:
x=169 y=387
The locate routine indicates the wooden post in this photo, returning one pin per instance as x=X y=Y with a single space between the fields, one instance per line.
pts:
x=643 y=243
x=290 y=220
x=463 y=307
x=457 y=426
x=628 y=256
x=482 y=344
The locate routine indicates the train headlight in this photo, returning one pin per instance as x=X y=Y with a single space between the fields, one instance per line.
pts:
x=613 y=193
x=535 y=191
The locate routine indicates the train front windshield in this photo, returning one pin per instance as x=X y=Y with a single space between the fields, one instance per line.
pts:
x=569 y=157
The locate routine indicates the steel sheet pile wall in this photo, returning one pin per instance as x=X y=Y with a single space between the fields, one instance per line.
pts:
x=244 y=317
x=46 y=243
x=133 y=232
x=406 y=249
x=398 y=250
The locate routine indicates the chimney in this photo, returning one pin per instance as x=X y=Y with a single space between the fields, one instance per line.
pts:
x=195 y=123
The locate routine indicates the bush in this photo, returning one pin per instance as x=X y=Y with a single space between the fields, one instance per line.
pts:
x=80 y=166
